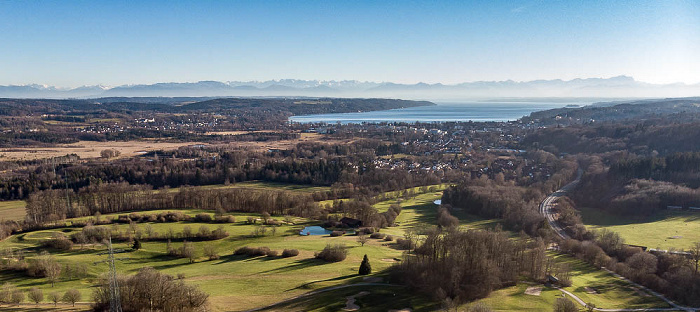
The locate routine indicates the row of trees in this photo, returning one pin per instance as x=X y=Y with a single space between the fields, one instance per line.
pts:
x=56 y=205
x=11 y=295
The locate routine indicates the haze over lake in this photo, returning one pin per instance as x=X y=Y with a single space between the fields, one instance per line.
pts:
x=444 y=111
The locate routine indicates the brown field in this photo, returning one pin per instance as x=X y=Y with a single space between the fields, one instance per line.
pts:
x=12 y=210
x=88 y=149
x=238 y=132
x=91 y=149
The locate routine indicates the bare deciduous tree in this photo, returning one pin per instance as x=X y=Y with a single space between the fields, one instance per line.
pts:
x=71 y=296
x=55 y=297
x=362 y=239
x=36 y=295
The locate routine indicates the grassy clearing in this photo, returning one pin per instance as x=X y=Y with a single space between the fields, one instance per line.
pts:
x=665 y=230
x=273 y=185
x=12 y=210
x=611 y=293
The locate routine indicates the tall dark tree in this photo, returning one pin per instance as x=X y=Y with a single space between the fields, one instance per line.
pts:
x=365 y=267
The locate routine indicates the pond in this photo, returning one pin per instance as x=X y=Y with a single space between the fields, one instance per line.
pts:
x=314 y=230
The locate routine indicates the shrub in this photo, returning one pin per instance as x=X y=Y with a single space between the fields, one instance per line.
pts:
x=388 y=238
x=204 y=232
x=333 y=253
x=210 y=252
x=366 y=231
x=245 y=250
x=565 y=281
x=377 y=235
x=272 y=253
x=290 y=253
x=219 y=233
x=337 y=233
x=404 y=243
x=565 y=305
x=252 y=252
x=272 y=222
x=202 y=217
x=58 y=242
x=225 y=219
x=479 y=307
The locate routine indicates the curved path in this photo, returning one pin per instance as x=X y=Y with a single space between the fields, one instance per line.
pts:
x=546 y=207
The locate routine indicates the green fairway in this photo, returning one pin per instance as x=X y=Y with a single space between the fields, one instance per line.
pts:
x=604 y=290
x=665 y=230
x=234 y=282
x=12 y=210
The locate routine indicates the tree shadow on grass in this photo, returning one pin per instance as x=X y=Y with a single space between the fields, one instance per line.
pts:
x=339 y=278
x=298 y=265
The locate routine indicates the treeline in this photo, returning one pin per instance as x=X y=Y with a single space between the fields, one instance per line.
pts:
x=678 y=168
x=640 y=186
x=308 y=164
x=664 y=136
x=56 y=205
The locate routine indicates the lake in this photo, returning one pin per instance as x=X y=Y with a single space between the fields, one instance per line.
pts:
x=444 y=111
x=315 y=230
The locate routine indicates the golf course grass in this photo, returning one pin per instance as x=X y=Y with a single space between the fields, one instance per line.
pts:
x=664 y=230
x=237 y=283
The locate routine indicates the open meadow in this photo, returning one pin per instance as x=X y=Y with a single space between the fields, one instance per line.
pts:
x=664 y=230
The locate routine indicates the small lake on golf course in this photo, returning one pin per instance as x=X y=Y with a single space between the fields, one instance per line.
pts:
x=314 y=230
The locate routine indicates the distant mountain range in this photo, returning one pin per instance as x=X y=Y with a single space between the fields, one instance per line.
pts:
x=621 y=86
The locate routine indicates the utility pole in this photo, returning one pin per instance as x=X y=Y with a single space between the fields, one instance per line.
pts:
x=114 y=297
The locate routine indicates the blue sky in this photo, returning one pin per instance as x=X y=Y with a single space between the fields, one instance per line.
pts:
x=73 y=43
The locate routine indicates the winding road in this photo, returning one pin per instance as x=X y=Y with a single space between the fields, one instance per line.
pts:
x=547 y=205
x=546 y=209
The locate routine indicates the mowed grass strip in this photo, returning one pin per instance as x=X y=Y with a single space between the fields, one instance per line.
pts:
x=664 y=230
